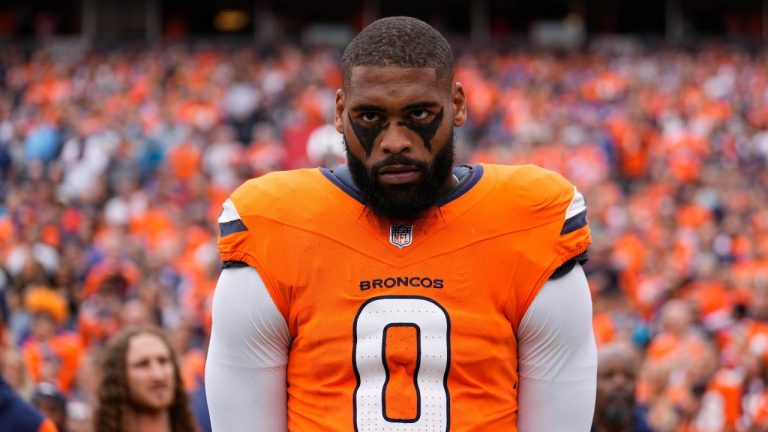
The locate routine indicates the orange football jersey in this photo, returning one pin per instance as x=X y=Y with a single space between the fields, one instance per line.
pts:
x=404 y=327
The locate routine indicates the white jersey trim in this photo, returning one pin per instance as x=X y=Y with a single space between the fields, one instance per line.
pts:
x=229 y=212
x=578 y=204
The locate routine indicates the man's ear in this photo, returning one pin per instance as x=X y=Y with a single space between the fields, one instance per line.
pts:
x=459 y=105
x=338 y=117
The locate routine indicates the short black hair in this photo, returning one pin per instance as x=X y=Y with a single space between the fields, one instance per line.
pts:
x=399 y=41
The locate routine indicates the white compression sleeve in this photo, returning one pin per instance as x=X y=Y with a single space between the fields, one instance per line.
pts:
x=558 y=358
x=245 y=371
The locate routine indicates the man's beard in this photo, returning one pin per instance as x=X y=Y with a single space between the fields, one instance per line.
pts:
x=406 y=202
x=617 y=413
x=144 y=408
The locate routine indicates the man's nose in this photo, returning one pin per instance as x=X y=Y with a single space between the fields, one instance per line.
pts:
x=395 y=140
x=158 y=370
x=622 y=381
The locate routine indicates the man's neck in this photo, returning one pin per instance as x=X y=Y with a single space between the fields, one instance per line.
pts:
x=146 y=421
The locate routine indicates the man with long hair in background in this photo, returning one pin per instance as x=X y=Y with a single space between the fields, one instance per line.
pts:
x=141 y=388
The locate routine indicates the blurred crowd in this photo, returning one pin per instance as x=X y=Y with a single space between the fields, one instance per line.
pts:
x=114 y=165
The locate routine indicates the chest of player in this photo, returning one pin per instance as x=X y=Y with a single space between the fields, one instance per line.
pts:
x=382 y=334
x=466 y=292
x=470 y=280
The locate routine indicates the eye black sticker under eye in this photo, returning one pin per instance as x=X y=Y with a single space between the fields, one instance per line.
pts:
x=426 y=131
x=366 y=135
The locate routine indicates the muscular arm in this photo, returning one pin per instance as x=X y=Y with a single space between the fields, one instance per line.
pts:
x=247 y=357
x=558 y=358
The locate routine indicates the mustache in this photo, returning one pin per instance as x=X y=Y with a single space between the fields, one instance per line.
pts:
x=399 y=160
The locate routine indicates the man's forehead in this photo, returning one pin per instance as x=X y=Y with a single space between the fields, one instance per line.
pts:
x=393 y=86
x=372 y=75
x=146 y=344
x=616 y=359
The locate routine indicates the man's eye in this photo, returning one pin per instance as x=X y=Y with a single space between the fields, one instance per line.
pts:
x=370 y=117
x=420 y=114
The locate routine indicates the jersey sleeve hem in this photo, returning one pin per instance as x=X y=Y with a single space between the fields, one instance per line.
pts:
x=546 y=274
x=242 y=256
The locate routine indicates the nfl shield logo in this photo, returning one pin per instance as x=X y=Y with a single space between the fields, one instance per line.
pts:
x=401 y=235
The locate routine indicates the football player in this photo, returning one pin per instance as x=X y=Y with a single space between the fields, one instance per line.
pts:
x=399 y=292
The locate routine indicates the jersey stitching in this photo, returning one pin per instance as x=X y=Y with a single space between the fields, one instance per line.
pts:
x=292 y=272
x=515 y=319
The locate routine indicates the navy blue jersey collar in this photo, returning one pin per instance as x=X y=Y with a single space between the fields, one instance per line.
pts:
x=468 y=176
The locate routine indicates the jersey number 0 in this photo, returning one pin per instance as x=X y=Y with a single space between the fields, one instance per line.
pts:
x=396 y=337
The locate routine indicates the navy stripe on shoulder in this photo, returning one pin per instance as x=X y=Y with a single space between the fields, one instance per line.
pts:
x=341 y=184
x=569 y=265
x=477 y=174
x=574 y=222
x=232 y=227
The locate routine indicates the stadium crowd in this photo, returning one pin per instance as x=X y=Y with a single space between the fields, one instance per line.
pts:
x=114 y=165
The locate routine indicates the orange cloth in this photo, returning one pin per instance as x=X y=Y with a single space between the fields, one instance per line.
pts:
x=110 y=268
x=337 y=277
x=758 y=410
x=40 y=299
x=629 y=253
x=192 y=369
x=154 y=227
x=57 y=359
x=728 y=386
x=185 y=160
x=709 y=296
x=667 y=347
x=604 y=328
x=48 y=426
x=693 y=216
x=93 y=326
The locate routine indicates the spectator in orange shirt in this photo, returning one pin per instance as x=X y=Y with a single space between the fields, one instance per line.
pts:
x=51 y=353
